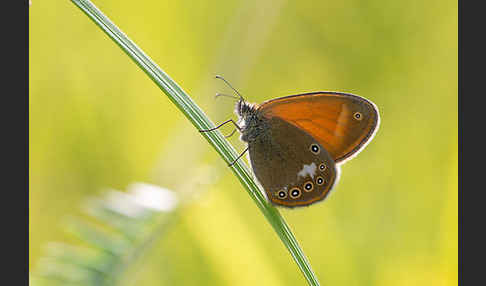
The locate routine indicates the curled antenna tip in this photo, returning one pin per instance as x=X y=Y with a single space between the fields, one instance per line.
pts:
x=221 y=94
x=221 y=78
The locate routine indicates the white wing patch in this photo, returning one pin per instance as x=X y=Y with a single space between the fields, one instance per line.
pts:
x=308 y=170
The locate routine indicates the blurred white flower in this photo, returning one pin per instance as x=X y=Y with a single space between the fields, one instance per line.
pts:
x=141 y=197
x=153 y=197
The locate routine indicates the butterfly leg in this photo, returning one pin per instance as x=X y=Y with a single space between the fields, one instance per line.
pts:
x=227 y=121
x=231 y=134
x=234 y=130
x=241 y=155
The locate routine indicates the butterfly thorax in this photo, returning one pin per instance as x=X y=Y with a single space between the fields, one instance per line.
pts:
x=253 y=124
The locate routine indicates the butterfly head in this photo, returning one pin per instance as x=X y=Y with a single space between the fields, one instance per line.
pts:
x=244 y=109
x=252 y=124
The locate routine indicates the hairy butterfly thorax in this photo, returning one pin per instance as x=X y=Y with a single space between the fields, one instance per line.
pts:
x=252 y=125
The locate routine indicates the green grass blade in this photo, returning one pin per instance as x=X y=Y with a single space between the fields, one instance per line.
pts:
x=197 y=117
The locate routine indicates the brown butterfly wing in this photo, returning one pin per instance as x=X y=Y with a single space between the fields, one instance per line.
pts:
x=342 y=123
x=286 y=159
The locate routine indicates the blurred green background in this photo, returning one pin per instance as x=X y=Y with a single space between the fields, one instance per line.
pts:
x=97 y=121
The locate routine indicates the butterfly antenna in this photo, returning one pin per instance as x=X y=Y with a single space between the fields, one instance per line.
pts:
x=227 y=95
x=221 y=78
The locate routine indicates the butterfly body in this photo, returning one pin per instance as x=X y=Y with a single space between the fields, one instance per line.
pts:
x=296 y=143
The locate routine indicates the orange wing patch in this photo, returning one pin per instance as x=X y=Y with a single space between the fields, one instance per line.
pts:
x=329 y=118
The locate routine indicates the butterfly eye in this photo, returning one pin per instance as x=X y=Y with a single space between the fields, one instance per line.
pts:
x=358 y=115
x=315 y=149
x=320 y=180
x=309 y=186
x=295 y=193
x=322 y=167
x=281 y=194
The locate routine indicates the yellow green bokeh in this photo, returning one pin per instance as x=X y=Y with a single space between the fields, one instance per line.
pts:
x=96 y=121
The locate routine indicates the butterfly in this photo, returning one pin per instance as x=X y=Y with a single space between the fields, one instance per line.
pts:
x=296 y=143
